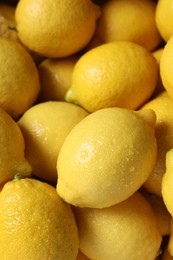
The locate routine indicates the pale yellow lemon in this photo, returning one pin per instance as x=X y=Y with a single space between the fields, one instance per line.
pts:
x=164 y=18
x=19 y=79
x=166 y=64
x=106 y=157
x=35 y=223
x=162 y=105
x=55 y=77
x=127 y=230
x=56 y=28
x=45 y=127
x=113 y=74
x=167 y=182
x=129 y=20
x=12 y=146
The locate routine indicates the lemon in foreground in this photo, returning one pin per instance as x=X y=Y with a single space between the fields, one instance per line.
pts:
x=45 y=127
x=12 y=146
x=35 y=223
x=19 y=78
x=106 y=157
x=127 y=230
x=113 y=74
x=56 y=28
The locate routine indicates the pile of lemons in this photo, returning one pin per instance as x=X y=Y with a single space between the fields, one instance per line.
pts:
x=86 y=129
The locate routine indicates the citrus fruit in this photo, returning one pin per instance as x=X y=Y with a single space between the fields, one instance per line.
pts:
x=162 y=105
x=56 y=28
x=35 y=223
x=12 y=146
x=45 y=127
x=129 y=20
x=127 y=230
x=164 y=18
x=106 y=157
x=113 y=74
x=19 y=79
x=55 y=77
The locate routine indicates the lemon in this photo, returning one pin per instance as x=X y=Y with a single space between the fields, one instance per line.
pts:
x=55 y=77
x=106 y=157
x=12 y=146
x=162 y=105
x=127 y=230
x=164 y=18
x=56 y=28
x=129 y=20
x=167 y=182
x=166 y=63
x=35 y=223
x=45 y=127
x=113 y=74
x=19 y=79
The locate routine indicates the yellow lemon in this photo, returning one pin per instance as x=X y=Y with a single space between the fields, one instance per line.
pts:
x=113 y=74
x=55 y=77
x=167 y=182
x=35 y=223
x=162 y=105
x=127 y=230
x=164 y=18
x=56 y=28
x=19 y=79
x=45 y=127
x=129 y=20
x=166 y=63
x=106 y=157
x=12 y=146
